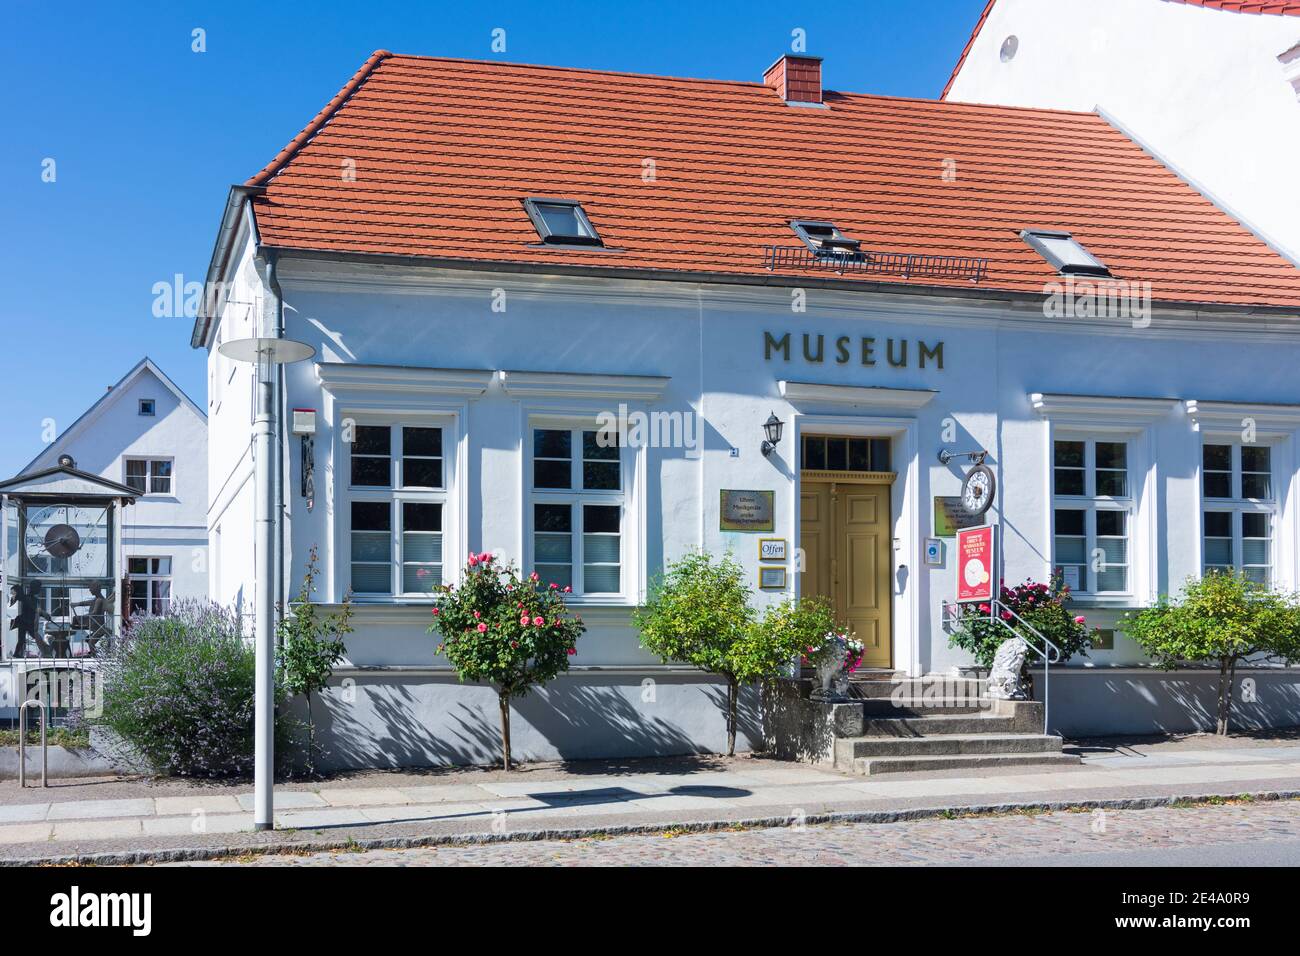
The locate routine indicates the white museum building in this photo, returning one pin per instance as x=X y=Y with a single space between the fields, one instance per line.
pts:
x=490 y=260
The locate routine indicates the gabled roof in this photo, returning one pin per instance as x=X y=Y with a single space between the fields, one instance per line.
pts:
x=1288 y=8
x=65 y=482
x=107 y=401
x=688 y=178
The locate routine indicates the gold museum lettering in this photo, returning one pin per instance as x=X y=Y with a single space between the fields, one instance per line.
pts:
x=866 y=350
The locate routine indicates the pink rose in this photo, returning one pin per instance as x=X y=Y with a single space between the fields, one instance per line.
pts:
x=1080 y=620
x=435 y=611
x=524 y=620
x=472 y=561
x=538 y=621
x=567 y=589
x=572 y=651
x=477 y=614
x=482 y=627
x=534 y=576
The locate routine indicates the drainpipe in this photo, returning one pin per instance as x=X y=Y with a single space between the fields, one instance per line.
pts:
x=278 y=507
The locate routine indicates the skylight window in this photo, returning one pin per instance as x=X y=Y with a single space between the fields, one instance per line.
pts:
x=562 y=222
x=824 y=238
x=1064 y=253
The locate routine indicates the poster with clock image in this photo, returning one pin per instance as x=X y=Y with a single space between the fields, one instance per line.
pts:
x=66 y=541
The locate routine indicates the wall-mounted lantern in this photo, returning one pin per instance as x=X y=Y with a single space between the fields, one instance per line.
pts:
x=772 y=428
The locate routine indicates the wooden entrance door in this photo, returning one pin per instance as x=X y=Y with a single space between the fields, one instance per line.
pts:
x=845 y=536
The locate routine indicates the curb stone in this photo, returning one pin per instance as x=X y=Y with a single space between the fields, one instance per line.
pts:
x=192 y=854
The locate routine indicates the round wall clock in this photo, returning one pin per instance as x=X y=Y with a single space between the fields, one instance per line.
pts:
x=66 y=540
x=977 y=490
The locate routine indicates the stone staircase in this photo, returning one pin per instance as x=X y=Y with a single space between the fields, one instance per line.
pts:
x=901 y=725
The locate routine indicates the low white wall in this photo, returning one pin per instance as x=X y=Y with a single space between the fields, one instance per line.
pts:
x=1088 y=702
x=389 y=719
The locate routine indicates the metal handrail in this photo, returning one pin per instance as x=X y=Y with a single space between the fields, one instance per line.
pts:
x=1050 y=653
x=22 y=743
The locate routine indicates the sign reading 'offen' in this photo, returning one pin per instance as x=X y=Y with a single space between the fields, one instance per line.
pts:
x=974 y=562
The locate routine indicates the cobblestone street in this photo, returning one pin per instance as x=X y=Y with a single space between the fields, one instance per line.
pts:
x=1045 y=839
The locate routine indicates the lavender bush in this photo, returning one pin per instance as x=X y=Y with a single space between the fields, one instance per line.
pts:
x=178 y=692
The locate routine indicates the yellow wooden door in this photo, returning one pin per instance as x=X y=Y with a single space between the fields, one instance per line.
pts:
x=844 y=534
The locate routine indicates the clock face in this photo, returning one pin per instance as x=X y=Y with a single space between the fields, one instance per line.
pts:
x=977 y=490
x=67 y=541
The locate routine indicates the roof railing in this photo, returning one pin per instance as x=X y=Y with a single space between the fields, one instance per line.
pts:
x=902 y=264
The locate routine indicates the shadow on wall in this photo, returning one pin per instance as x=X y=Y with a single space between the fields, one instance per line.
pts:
x=391 y=722
x=1096 y=704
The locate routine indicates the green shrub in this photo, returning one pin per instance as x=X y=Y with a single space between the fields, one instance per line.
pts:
x=178 y=693
x=1222 y=618
x=309 y=644
x=699 y=613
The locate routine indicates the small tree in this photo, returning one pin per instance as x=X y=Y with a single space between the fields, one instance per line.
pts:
x=510 y=633
x=310 y=644
x=699 y=614
x=1224 y=618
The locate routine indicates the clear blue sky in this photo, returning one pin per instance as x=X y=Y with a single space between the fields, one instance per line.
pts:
x=147 y=135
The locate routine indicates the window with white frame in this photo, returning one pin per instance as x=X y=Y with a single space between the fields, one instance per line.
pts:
x=1239 y=509
x=149 y=476
x=1092 y=504
x=397 y=502
x=151 y=585
x=577 y=507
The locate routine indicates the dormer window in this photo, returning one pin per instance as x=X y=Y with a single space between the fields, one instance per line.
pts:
x=562 y=222
x=823 y=238
x=1064 y=253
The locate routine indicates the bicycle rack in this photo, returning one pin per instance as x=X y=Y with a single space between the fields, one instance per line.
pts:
x=22 y=744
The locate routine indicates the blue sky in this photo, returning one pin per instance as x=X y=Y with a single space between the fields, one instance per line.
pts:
x=146 y=136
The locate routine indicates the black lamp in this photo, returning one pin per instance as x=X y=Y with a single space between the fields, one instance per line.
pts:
x=772 y=427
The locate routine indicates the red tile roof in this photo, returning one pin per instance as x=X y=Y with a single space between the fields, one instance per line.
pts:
x=445 y=150
x=1288 y=8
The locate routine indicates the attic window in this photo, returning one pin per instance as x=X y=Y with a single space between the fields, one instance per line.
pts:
x=824 y=238
x=562 y=222
x=147 y=407
x=1064 y=253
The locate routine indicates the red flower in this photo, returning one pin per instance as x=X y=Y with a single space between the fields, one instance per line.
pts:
x=482 y=627
x=572 y=651
x=538 y=621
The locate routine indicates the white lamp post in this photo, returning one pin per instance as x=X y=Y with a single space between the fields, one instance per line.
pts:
x=265 y=354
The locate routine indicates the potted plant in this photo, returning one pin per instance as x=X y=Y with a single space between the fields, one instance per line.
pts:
x=834 y=657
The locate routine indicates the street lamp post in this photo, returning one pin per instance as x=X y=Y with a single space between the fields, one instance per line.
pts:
x=265 y=354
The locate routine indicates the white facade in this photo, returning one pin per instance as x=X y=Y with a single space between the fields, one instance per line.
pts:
x=1214 y=93
x=147 y=434
x=425 y=348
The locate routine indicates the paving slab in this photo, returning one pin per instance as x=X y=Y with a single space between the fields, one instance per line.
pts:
x=446 y=793
x=208 y=824
x=344 y=797
x=287 y=800
x=26 y=833
x=215 y=803
x=96 y=829
x=98 y=809
x=24 y=812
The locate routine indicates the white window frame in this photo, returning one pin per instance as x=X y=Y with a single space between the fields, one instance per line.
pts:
x=631 y=519
x=396 y=494
x=150 y=461
x=150 y=578
x=1090 y=502
x=1236 y=505
x=576 y=497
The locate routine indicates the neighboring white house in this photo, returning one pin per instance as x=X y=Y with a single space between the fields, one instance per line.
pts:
x=1211 y=86
x=145 y=433
x=488 y=259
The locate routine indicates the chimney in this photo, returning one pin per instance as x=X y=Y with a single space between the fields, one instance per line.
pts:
x=797 y=78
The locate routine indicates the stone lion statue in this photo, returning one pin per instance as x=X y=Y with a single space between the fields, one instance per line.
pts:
x=1005 y=682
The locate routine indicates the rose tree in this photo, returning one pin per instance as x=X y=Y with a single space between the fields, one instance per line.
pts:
x=504 y=631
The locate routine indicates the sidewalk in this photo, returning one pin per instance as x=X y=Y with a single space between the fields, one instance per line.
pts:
x=115 y=819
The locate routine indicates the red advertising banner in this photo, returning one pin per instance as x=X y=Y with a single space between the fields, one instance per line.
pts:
x=974 y=553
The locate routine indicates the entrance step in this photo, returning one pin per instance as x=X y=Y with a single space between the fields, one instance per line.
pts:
x=922 y=707
x=919 y=688
x=871 y=766
x=931 y=723
x=851 y=748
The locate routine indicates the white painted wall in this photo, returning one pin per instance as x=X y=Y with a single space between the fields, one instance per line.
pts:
x=1203 y=88
x=171 y=525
